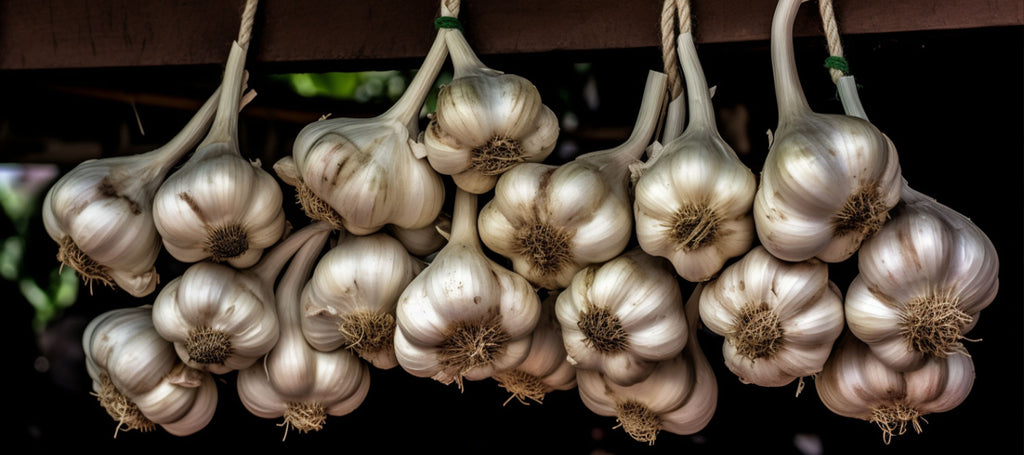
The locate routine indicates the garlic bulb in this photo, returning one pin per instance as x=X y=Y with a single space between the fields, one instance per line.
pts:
x=546 y=368
x=680 y=395
x=779 y=319
x=693 y=200
x=221 y=319
x=295 y=381
x=464 y=316
x=350 y=300
x=622 y=317
x=486 y=122
x=552 y=221
x=101 y=211
x=829 y=180
x=219 y=205
x=425 y=241
x=138 y=378
x=364 y=173
x=857 y=384
x=923 y=280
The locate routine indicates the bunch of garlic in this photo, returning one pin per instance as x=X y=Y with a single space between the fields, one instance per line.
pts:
x=546 y=368
x=551 y=221
x=362 y=174
x=680 y=395
x=829 y=180
x=350 y=300
x=464 y=316
x=923 y=280
x=486 y=122
x=221 y=319
x=779 y=319
x=855 y=383
x=139 y=379
x=622 y=317
x=101 y=212
x=693 y=199
x=296 y=382
x=219 y=205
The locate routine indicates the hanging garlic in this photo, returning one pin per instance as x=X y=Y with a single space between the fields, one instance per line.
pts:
x=693 y=199
x=857 y=384
x=350 y=300
x=680 y=395
x=546 y=368
x=219 y=205
x=622 y=317
x=923 y=280
x=221 y=319
x=829 y=180
x=552 y=221
x=138 y=378
x=425 y=241
x=465 y=316
x=364 y=173
x=486 y=122
x=295 y=381
x=101 y=211
x=779 y=319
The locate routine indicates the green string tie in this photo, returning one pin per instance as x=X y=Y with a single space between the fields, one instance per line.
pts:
x=837 y=63
x=447 y=22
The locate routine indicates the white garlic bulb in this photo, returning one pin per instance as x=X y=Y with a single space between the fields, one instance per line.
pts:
x=139 y=379
x=464 y=316
x=779 y=319
x=923 y=280
x=365 y=173
x=680 y=395
x=296 y=382
x=829 y=180
x=857 y=384
x=219 y=205
x=101 y=212
x=551 y=221
x=693 y=200
x=546 y=368
x=350 y=300
x=622 y=317
x=221 y=319
x=486 y=122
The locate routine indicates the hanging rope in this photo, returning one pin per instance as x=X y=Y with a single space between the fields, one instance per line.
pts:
x=669 y=56
x=683 y=8
x=248 y=17
x=836 y=63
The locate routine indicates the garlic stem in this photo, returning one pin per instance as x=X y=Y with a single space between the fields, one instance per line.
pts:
x=464 y=59
x=289 y=311
x=406 y=109
x=788 y=92
x=225 y=124
x=614 y=162
x=271 y=264
x=162 y=159
x=702 y=113
x=464 y=220
x=850 y=98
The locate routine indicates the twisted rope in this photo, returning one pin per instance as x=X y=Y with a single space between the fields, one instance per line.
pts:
x=836 y=63
x=248 y=17
x=669 y=56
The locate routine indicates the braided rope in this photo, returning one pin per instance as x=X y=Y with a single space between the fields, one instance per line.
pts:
x=669 y=55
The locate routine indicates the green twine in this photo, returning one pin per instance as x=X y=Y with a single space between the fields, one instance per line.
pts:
x=447 y=22
x=837 y=63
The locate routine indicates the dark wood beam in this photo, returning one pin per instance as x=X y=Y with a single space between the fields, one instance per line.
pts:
x=57 y=34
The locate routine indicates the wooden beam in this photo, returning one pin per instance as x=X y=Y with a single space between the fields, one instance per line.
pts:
x=55 y=34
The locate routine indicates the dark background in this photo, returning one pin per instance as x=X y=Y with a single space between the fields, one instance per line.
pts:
x=951 y=101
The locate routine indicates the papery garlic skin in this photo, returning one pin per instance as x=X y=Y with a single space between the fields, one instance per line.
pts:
x=486 y=122
x=829 y=180
x=693 y=201
x=464 y=316
x=295 y=381
x=551 y=221
x=219 y=205
x=923 y=280
x=546 y=368
x=779 y=319
x=856 y=383
x=101 y=211
x=350 y=300
x=622 y=317
x=139 y=379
